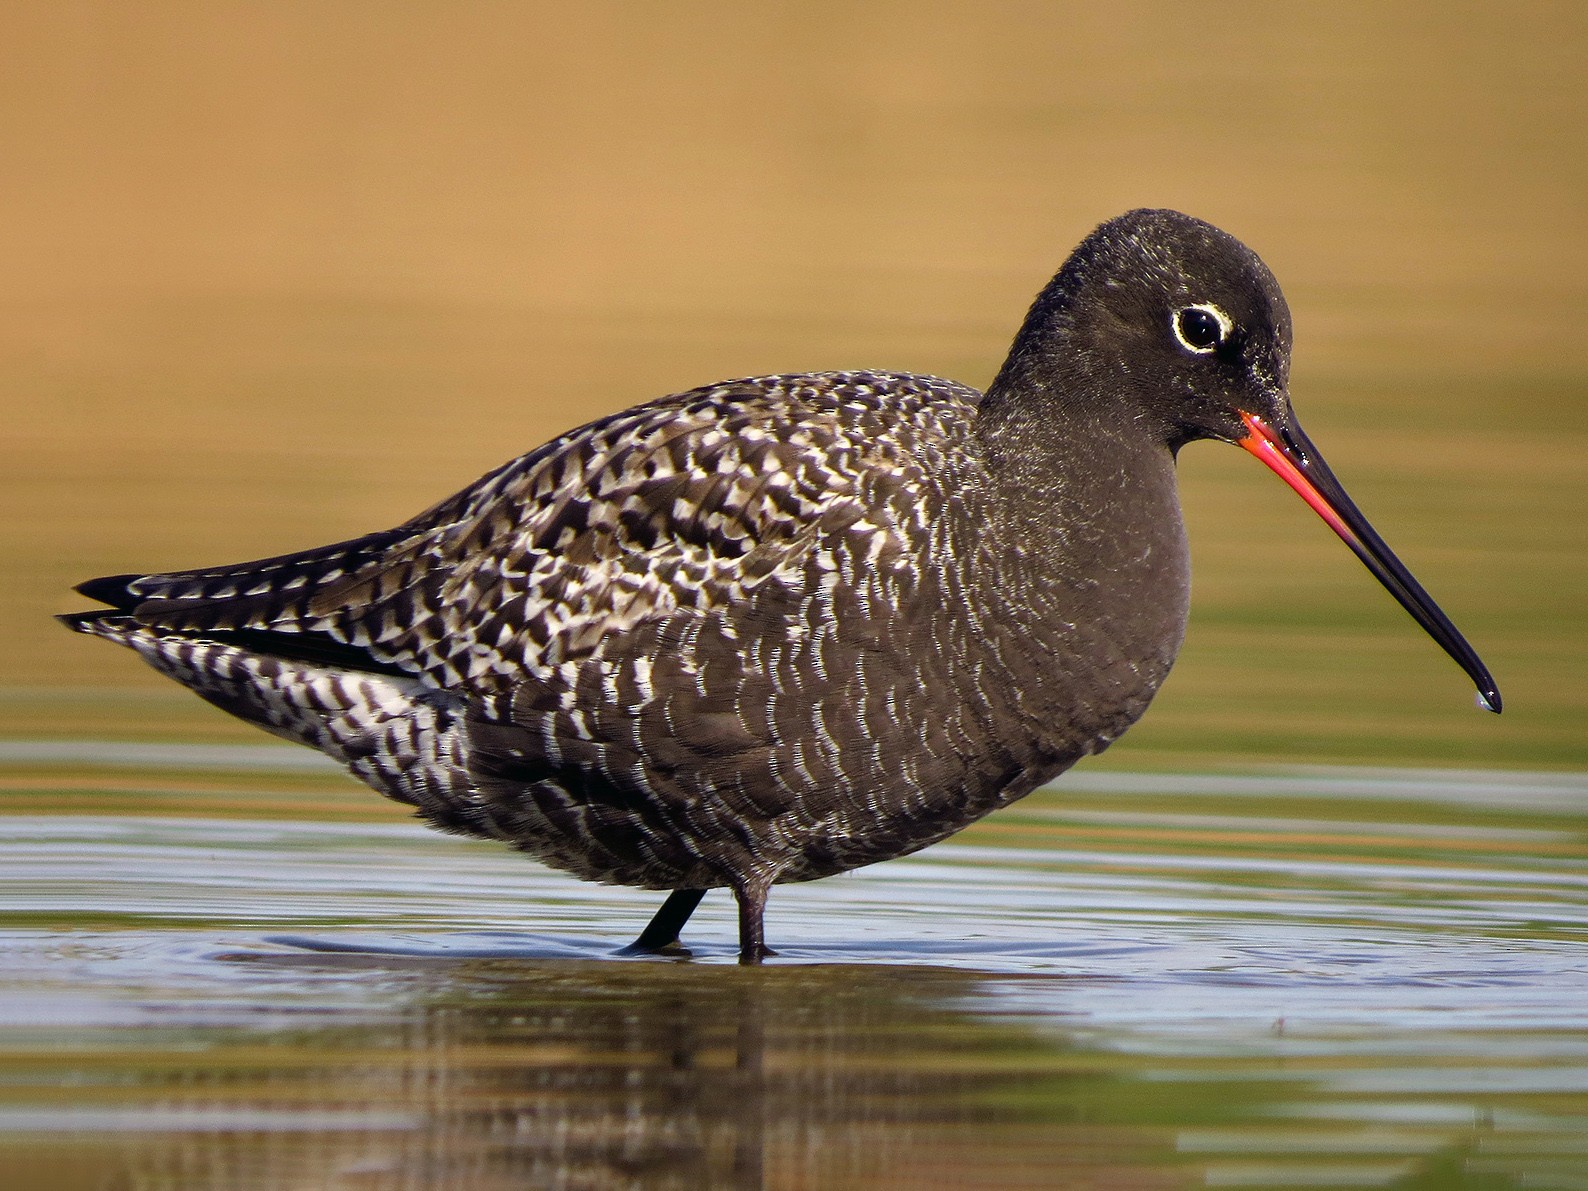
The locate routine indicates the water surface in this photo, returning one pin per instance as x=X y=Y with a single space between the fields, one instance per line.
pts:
x=1300 y=978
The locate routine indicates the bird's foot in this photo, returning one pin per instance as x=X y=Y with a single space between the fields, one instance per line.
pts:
x=669 y=950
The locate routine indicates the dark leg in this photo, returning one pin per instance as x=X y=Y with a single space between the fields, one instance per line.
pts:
x=752 y=933
x=663 y=930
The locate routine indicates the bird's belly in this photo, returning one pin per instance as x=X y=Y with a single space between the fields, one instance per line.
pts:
x=841 y=733
x=670 y=818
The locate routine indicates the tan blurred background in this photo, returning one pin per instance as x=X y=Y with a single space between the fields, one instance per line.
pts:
x=275 y=274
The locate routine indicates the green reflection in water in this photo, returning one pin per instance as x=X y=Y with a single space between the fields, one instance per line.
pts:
x=362 y=1070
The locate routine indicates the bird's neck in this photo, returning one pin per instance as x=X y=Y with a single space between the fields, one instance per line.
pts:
x=1094 y=548
x=1089 y=485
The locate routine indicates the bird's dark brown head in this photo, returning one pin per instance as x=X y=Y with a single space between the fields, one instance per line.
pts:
x=1163 y=320
x=1161 y=329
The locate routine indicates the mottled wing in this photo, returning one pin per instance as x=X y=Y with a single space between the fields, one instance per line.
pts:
x=688 y=506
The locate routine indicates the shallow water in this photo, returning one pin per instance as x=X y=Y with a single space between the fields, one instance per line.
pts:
x=1298 y=978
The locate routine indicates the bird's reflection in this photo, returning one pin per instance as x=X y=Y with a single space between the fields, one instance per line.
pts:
x=533 y=1073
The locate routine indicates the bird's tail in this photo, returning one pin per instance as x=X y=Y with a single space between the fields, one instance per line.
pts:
x=393 y=731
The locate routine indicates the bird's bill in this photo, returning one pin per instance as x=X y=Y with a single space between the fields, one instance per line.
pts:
x=1290 y=455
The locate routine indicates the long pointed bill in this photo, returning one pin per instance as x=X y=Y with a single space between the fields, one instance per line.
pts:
x=1295 y=460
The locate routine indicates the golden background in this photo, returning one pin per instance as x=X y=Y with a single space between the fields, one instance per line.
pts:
x=279 y=274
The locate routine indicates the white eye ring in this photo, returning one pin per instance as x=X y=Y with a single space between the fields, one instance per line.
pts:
x=1201 y=328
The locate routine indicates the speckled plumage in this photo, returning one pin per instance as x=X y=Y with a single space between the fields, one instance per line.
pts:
x=775 y=628
x=759 y=631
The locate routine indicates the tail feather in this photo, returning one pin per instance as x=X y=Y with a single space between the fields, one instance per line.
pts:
x=311 y=648
x=262 y=606
x=394 y=732
x=244 y=594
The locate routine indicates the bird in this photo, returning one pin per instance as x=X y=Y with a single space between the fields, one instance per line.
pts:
x=777 y=628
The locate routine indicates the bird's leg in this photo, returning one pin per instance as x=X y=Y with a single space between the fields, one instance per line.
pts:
x=752 y=932
x=662 y=932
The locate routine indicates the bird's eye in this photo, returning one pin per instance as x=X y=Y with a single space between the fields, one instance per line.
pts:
x=1201 y=328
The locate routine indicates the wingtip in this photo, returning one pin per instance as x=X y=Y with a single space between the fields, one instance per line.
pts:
x=115 y=590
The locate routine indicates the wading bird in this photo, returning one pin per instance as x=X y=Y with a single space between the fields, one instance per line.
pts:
x=774 y=629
